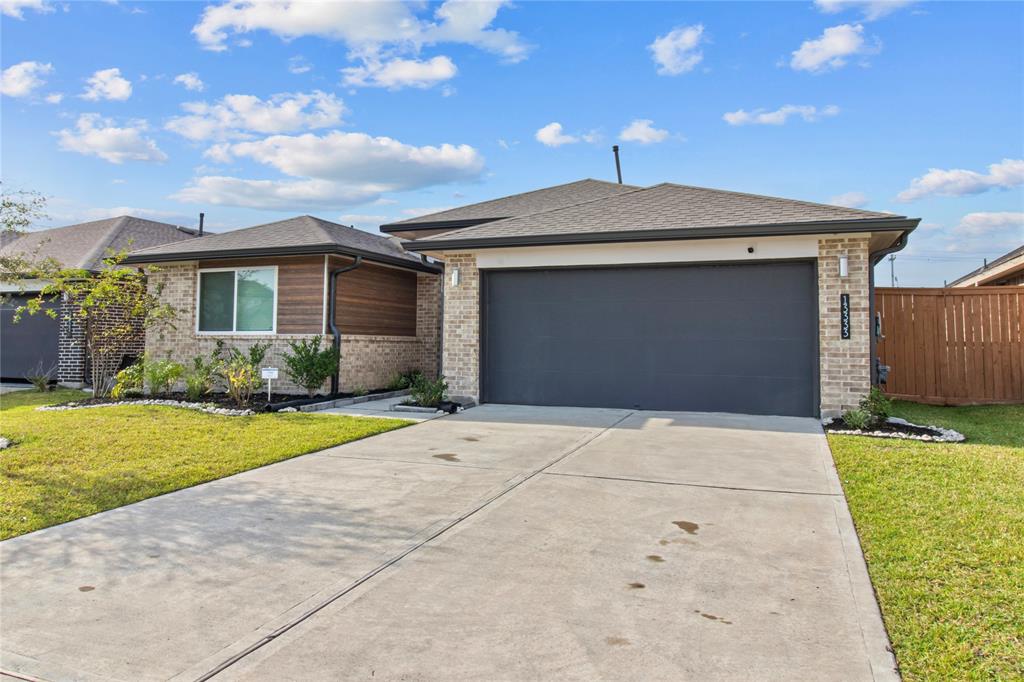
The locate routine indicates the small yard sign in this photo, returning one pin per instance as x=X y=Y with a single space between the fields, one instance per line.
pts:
x=844 y=316
x=271 y=372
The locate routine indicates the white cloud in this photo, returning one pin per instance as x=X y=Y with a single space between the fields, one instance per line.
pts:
x=779 y=116
x=379 y=35
x=677 y=51
x=107 y=84
x=16 y=8
x=832 y=50
x=363 y=220
x=298 y=64
x=235 y=116
x=552 y=135
x=334 y=170
x=986 y=224
x=191 y=81
x=1006 y=174
x=642 y=130
x=398 y=73
x=54 y=98
x=850 y=200
x=871 y=9
x=21 y=79
x=97 y=136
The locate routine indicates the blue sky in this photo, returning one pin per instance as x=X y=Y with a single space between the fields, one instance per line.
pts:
x=374 y=112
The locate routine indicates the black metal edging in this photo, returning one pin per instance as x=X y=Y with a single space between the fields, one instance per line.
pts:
x=772 y=230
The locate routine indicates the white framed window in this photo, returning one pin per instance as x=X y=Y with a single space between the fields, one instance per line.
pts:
x=237 y=300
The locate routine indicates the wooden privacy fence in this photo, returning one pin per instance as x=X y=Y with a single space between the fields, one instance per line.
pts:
x=953 y=346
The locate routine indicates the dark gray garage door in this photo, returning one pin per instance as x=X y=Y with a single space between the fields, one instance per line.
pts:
x=720 y=338
x=27 y=344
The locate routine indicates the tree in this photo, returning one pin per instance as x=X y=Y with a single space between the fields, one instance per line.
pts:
x=19 y=210
x=114 y=305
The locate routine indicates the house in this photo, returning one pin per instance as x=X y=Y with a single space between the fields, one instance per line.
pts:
x=40 y=341
x=666 y=297
x=294 y=279
x=1007 y=270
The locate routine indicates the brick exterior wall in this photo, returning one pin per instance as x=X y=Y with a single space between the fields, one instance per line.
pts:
x=366 y=361
x=70 y=345
x=74 y=366
x=461 y=362
x=845 y=364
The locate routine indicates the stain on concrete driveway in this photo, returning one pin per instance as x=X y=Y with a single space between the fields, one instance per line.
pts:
x=544 y=543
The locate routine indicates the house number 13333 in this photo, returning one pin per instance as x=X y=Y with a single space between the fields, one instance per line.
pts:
x=844 y=316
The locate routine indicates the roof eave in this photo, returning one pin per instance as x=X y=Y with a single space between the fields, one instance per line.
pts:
x=437 y=224
x=772 y=230
x=264 y=252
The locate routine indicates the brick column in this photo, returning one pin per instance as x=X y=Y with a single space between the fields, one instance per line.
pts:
x=70 y=345
x=845 y=364
x=428 y=321
x=461 y=362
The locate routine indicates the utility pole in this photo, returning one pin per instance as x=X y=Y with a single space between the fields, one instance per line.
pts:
x=892 y=269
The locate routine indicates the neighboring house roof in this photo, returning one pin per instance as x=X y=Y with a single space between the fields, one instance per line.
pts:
x=666 y=211
x=525 y=203
x=1004 y=266
x=85 y=245
x=294 y=236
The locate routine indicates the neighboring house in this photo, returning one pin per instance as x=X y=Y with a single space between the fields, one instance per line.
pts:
x=272 y=283
x=666 y=297
x=42 y=341
x=1007 y=270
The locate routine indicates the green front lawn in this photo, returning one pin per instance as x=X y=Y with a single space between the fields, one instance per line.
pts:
x=66 y=465
x=942 y=527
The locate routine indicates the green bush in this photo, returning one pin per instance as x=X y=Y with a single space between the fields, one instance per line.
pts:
x=428 y=392
x=360 y=390
x=309 y=365
x=160 y=375
x=241 y=372
x=403 y=380
x=877 y=405
x=857 y=419
x=202 y=378
x=129 y=380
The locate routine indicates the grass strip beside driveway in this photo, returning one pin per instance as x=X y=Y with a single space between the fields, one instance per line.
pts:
x=942 y=526
x=68 y=464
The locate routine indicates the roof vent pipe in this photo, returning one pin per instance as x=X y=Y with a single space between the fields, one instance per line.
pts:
x=618 y=168
x=202 y=218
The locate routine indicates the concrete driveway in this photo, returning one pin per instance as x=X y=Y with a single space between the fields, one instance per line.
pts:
x=504 y=543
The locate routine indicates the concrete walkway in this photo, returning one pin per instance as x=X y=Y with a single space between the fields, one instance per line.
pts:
x=503 y=543
x=382 y=408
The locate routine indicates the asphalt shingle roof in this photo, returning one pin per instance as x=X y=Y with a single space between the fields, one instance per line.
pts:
x=86 y=245
x=305 y=234
x=1016 y=253
x=661 y=207
x=545 y=199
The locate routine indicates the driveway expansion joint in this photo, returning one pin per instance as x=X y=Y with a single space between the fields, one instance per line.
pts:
x=692 y=485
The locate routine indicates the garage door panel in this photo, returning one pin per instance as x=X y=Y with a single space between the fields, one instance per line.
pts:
x=733 y=337
x=31 y=342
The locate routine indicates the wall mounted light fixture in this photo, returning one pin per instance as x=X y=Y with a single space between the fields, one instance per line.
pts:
x=844 y=265
x=455 y=277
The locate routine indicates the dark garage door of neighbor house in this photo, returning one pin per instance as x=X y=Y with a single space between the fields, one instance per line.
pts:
x=713 y=338
x=28 y=344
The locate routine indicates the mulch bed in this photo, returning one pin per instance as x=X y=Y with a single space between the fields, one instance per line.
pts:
x=895 y=428
x=259 y=402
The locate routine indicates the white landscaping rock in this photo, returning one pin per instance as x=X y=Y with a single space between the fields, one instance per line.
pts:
x=209 y=408
x=4 y=443
x=942 y=435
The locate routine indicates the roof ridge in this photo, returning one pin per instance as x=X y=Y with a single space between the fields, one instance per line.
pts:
x=517 y=194
x=99 y=251
x=499 y=221
x=776 y=199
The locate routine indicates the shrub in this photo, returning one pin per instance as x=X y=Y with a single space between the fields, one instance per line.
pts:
x=202 y=378
x=40 y=377
x=429 y=392
x=309 y=365
x=877 y=405
x=129 y=380
x=403 y=380
x=857 y=419
x=160 y=375
x=360 y=390
x=241 y=372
